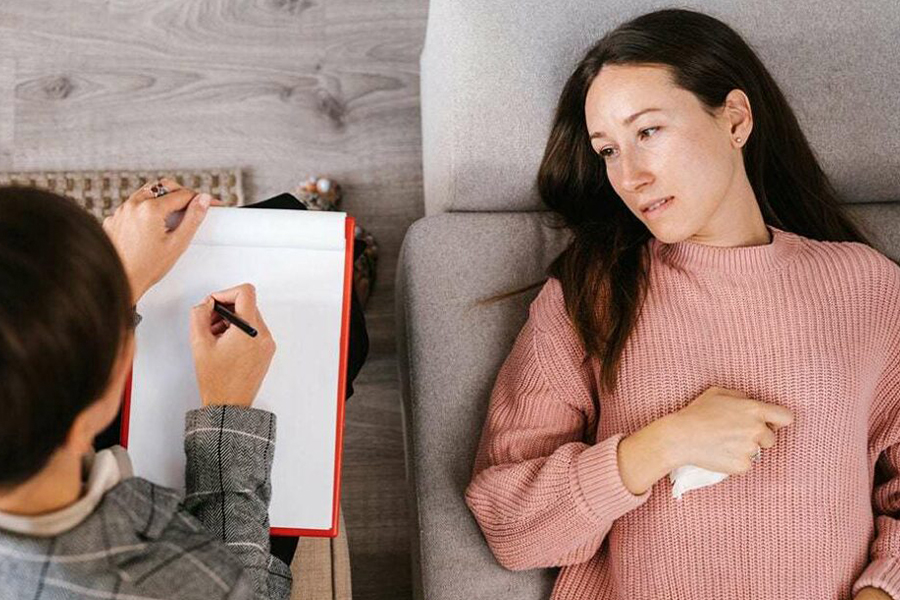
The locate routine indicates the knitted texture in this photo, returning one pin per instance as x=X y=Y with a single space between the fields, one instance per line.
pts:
x=813 y=326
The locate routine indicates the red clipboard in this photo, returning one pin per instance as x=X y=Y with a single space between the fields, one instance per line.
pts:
x=349 y=234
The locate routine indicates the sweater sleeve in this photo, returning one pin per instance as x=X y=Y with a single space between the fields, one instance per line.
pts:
x=543 y=495
x=883 y=570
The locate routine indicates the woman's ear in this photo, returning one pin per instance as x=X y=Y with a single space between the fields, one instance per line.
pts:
x=739 y=117
x=97 y=416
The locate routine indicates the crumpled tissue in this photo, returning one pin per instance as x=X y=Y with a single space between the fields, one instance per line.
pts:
x=691 y=477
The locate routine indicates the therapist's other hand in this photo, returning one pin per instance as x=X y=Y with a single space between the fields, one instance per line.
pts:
x=230 y=365
x=138 y=230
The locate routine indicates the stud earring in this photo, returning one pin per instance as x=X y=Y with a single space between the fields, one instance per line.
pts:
x=738 y=140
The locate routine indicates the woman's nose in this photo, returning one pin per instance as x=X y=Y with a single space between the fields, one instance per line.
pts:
x=634 y=173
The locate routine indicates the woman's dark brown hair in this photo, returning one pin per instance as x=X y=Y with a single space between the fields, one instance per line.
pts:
x=65 y=311
x=603 y=271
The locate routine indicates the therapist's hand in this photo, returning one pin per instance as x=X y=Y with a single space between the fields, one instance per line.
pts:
x=230 y=365
x=138 y=230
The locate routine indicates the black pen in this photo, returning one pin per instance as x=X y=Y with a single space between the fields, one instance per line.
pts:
x=233 y=318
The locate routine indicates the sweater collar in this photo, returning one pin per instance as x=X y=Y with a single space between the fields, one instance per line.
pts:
x=103 y=471
x=703 y=258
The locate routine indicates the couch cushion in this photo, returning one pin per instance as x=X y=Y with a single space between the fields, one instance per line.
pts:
x=491 y=74
x=449 y=357
x=450 y=352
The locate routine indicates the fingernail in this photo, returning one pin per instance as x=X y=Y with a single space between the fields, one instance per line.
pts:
x=205 y=199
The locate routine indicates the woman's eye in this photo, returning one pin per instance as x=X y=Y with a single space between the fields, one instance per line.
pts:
x=607 y=152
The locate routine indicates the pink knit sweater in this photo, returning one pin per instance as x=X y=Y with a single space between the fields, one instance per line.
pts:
x=813 y=326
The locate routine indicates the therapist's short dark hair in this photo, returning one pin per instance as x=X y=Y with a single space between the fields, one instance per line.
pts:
x=65 y=311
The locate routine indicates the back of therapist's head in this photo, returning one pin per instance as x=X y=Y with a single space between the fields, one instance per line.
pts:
x=64 y=317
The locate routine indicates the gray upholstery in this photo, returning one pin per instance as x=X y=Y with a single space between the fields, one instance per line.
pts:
x=450 y=353
x=491 y=73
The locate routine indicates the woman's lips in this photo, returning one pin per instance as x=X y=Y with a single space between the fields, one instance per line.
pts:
x=655 y=212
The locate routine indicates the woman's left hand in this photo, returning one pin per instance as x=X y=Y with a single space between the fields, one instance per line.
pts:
x=146 y=245
x=871 y=593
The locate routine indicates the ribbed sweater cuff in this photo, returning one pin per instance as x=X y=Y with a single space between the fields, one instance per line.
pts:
x=598 y=484
x=882 y=573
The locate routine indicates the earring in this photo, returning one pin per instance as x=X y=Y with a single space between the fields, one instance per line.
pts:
x=738 y=140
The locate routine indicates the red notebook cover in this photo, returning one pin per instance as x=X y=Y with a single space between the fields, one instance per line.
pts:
x=349 y=233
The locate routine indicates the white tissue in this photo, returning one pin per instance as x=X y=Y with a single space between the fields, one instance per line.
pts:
x=690 y=477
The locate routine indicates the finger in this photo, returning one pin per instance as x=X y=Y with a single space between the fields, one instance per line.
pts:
x=243 y=297
x=778 y=415
x=217 y=202
x=767 y=439
x=219 y=327
x=145 y=195
x=732 y=393
x=145 y=191
x=177 y=200
x=261 y=324
x=170 y=184
x=193 y=217
x=201 y=317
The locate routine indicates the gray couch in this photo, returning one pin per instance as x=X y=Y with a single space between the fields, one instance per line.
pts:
x=491 y=73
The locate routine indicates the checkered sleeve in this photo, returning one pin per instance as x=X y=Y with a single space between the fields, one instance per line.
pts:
x=227 y=487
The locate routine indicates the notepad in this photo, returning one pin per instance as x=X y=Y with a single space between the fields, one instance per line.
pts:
x=301 y=265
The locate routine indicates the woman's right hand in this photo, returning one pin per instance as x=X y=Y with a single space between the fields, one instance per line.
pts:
x=230 y=364
x=721 y=429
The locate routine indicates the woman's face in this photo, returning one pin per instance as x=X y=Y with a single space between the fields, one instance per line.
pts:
x=657 y=142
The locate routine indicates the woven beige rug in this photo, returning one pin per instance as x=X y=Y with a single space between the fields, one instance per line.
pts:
x=100 y=192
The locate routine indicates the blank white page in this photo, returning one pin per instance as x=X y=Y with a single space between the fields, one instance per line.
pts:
x=296 y=260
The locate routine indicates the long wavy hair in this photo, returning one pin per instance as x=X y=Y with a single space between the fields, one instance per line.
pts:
x=604 y=269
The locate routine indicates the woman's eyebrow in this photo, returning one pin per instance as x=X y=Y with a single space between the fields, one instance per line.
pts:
x=627 y=121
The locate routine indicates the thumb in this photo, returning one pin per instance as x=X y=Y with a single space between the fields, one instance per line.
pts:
x=199 y=206
x=201 y=319
x=194 y=215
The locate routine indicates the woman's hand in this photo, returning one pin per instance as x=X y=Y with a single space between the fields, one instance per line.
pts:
x=147 y=246
x=871 y=593
x=230 y=365
x=721 y=429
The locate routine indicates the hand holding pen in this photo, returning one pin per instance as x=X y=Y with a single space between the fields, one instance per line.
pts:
x=232 y=318
x=231 y=361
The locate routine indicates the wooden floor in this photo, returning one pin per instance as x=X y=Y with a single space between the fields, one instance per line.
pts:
x=285 y=88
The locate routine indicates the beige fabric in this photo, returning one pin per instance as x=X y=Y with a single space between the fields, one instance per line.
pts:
x=321 y=567
x=100 y=192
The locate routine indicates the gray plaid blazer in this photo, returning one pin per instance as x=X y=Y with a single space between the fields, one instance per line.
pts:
x=145 y=541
